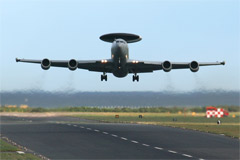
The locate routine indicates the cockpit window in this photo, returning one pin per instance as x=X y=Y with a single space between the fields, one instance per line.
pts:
x=120 y=41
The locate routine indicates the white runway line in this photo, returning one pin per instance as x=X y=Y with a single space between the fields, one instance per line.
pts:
x=172 y=151
x=186 y=155
x=124 y=138
x=114 y=135
x=134 y=141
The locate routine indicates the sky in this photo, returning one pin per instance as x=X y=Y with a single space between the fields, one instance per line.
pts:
x=174 y=30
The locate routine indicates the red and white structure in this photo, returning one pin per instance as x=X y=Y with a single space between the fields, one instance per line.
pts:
x=216 y=112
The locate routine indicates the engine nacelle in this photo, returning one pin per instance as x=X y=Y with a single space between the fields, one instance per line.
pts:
x=72 y=64
x=167 y=66
x=45 y=64
x=194 y=66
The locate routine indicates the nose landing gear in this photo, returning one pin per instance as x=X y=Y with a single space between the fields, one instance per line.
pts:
x=104 y=77
x=135 y=77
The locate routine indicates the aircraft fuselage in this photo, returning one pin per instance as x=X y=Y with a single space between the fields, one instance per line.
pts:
x=120 y=55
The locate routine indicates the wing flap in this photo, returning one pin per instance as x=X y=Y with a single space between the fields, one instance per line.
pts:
x=97 y=66
x=150 y=66
x=143 y=67
x=91 y=65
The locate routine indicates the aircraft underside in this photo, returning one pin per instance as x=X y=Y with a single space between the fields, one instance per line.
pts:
x=120 y=65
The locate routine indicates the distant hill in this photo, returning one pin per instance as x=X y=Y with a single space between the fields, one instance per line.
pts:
x=115 y=99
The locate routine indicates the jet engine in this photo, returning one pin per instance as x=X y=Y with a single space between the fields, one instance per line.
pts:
x=72 y=64
x=167 y=66
x=45 y=64
x=194 y=66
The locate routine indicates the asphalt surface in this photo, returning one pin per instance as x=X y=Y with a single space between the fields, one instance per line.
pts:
x=75 y=138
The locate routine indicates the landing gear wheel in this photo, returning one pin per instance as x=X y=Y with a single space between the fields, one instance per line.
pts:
x=135 y=77
x=103 y=77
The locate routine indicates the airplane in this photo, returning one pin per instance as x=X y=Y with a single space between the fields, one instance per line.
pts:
x=120 y=65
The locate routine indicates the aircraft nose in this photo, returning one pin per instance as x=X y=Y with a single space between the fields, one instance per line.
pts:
x=118 y=45
x=116 y=48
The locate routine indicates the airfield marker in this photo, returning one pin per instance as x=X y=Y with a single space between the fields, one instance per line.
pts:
x=20 y=152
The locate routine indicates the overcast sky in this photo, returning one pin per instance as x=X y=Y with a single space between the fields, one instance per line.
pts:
x=174 y=30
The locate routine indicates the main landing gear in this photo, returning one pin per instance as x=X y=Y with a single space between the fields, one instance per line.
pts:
x=104 y=77
x=135 y=77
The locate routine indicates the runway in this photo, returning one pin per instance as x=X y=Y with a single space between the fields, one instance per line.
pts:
x=75 y=138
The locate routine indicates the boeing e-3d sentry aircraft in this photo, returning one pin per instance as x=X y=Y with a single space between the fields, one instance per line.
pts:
x=119 y=65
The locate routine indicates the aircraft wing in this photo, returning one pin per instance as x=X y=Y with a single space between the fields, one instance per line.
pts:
x=91 y=65
x=135 y=66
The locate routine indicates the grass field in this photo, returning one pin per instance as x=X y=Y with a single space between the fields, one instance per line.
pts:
x=9 y=152
x=229 y=126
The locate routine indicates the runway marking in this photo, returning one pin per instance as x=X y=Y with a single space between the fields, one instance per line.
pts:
x=124 y=138
x=186 y=155
x=158 y=148
x=114 y=135
x=134 y=141
x=20 y=152
x=172 y=151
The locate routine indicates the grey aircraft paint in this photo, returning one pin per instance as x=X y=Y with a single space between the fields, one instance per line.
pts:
x=120 y=56
x=120 y=65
